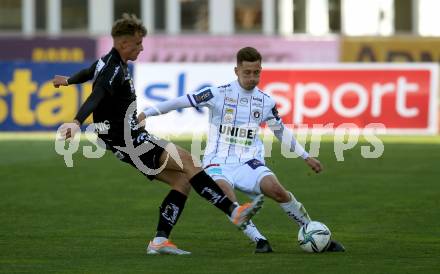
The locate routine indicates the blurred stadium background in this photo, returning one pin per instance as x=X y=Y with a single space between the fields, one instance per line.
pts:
x=380 y=57
x=40 y=38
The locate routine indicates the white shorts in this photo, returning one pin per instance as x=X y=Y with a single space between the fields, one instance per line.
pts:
x=245 y=177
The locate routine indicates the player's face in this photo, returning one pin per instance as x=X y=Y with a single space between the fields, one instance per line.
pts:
x=133 y=46
x=248 y=74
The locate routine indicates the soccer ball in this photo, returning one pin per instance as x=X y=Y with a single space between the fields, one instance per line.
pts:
x=314 y=237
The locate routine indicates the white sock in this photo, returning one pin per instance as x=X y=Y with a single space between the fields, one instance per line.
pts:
x=159 y=240
x=296 y=211
x=252 y=232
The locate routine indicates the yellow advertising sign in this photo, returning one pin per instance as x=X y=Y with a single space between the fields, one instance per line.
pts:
x=390 y=49
x=28 y=99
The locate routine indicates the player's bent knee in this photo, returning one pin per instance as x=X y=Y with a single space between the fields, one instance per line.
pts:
x=180 y=183
x=189 y=166
x=277 y=193
x=270 y=187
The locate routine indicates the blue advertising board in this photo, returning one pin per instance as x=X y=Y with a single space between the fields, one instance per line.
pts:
x=29 y=101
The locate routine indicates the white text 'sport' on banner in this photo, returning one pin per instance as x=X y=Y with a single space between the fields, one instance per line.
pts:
x=401 y=97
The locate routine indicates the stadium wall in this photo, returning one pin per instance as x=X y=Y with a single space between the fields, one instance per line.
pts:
x=405 y=49
x=222 y=49
x=47 y=49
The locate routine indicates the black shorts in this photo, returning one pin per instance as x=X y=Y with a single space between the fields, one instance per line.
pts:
x=148 y=163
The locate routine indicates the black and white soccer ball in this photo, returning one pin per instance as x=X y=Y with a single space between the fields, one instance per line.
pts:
x=314 y=237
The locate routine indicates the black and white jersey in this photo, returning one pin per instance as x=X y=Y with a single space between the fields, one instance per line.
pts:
x=113 y=92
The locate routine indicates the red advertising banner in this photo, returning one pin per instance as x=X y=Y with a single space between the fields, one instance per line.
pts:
x=401 y=97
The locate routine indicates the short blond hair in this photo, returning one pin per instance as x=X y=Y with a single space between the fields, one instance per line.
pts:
x=129 y=25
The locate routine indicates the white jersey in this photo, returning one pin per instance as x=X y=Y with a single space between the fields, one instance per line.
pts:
x=235 y=117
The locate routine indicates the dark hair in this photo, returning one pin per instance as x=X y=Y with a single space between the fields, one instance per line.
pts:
x=249 y=54
x=129 y=25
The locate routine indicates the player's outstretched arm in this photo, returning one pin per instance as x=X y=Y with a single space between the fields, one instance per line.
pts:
x=314 y=164
x=90 y=104
x=69 y=130
x=60 y=80
x=164 y=107
x=167 y=106
x=80 y=77
x=286 y=137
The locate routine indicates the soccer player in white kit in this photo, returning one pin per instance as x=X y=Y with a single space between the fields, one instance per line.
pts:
x=234 y=156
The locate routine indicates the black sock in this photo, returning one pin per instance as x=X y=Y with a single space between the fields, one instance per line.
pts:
x=169 y=212
x=208 y=189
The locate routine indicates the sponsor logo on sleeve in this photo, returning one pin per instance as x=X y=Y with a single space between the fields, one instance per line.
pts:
x=203 y=96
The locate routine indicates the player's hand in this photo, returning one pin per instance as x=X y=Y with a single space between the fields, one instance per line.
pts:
x=59 y=80
x=68 y=130
x=314 y=164
x=141 y=120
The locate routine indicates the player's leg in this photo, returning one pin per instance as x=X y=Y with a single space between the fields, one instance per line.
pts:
x=251 y=230
x=169 y=212
x=165 y=167
x=268 y=184
x=223 y=176
x=227 y=189
x=255 y=177
x=178 y=159
x=172 y=205
x=245 y=180
x=271 y=187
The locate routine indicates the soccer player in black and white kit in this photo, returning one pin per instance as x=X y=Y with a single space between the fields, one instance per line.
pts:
x=234 y=155
x=111 y=100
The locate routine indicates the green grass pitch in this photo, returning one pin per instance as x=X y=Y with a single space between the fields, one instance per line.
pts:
x=98 y=216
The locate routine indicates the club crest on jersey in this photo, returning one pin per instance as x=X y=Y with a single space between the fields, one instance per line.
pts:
x=256 y=114
x=244 y=101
